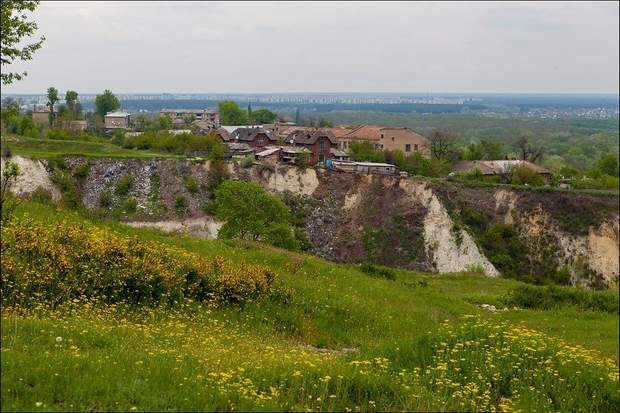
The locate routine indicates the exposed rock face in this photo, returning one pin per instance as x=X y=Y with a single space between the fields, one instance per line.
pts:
x=33 y=175
x=395 y=221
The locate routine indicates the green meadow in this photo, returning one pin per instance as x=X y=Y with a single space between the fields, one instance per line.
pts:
x=322 y=337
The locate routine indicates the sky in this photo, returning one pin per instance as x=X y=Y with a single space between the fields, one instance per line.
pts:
x=254 y=47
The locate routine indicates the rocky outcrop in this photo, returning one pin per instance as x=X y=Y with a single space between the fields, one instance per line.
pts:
x=33 y=176
x=432 y=226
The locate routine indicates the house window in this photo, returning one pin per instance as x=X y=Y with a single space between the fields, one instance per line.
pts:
x=408 y=147
x=260 y=142
x=322 y=146
x=415 y=146
x=381 y=136
x=392 y=139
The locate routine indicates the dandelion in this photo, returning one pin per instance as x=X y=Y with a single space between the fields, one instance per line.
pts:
x=58 y=339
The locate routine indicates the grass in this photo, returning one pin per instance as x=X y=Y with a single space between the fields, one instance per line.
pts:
x=265 y=354
x=48 y=148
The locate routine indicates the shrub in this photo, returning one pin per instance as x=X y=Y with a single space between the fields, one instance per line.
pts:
x=105 y=199
x=551 y=298
x=98 y=263
x=130 y=205
x=81 y=171
x=58 y=134
x=251 y=213
x=124 y=185
x=247 y=162
x=180 y=203
x=71 y=197
x=522 y=175
x=41 y=194
x=191 y=184
x=377 y=272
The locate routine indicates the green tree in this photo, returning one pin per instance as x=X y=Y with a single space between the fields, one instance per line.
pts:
x=71 y=100
x=231 y=113
x=442 y=144
x=15 y=29
x=52 y=98
x=608 y=164
x=262 y=116
x=365 y=151
x=106 y=103
x=324 y=123
x=10 y=172
x=252 y=213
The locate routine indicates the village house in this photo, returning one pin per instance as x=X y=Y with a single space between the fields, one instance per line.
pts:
x=41 y=115
x=203 y=118
x=269 y=155
x=221 y=133
x=239 y=150
x=499 y=167
x=254 y=137
x=295 y=154
x=388 y=138
x=117 y=120
x=75 y=126
x=318 y=141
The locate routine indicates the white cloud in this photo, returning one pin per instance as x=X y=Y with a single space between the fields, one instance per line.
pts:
x=335 y=46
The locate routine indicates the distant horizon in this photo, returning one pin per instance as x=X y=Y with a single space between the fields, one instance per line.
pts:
x=336 y=93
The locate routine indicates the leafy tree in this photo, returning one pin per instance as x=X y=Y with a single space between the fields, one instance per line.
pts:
x=106 y=103
x=324 y=123
x=608 y=165
x=15 y=29
x=529 y=152
x=262 y=116
x=160 y=123
x=188 y=119
x=231 y=113
x=442 y=144
x=140 y=122
x=522 y=175
x=252 y=213
x=71 y=100
x=10 y=172
x=52 y=98
x=63 y=113
x=365 y=151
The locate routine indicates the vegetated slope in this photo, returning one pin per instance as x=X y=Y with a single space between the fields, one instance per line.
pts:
x=337 y=339
x=536 y=235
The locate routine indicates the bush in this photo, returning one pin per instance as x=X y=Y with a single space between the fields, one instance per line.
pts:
x=81 y=171
x=247 y=162
x=130 y=205
x=522 y=175
x=180 y=203
x=377 y=272
x=105 y=199
x=58 y=134
x=98 y=263
x=71 y=197
x=41 y=194
x=124 y=185
x=191 y=184
x=552 y=298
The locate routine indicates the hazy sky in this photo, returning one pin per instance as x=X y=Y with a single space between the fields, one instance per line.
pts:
x=325 y=47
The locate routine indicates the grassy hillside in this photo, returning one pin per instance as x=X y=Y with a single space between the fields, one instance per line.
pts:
x=329 y=337
x=46 y=148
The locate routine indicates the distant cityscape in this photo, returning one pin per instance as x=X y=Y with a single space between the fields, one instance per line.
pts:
x=516 y=105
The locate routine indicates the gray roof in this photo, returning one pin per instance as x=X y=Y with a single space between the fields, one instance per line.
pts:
x=305 y=137
x=250 y=134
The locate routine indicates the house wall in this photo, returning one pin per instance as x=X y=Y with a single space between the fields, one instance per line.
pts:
x=400 y=138
x=317 y=152
x=114 y=122
x=41 y=118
